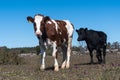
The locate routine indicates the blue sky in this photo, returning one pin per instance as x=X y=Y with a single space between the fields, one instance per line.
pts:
x=15 y=31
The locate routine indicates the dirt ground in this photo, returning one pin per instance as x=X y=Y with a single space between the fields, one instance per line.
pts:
x=79 y=69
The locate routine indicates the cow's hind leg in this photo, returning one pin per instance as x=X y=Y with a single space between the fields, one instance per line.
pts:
x=64 y=50
x=91 y=56
x=99 y=56
x=68 y=52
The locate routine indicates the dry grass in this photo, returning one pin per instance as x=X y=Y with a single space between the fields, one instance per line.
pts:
x=79 y=69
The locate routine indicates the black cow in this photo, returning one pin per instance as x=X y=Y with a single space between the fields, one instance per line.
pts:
x=96 y=40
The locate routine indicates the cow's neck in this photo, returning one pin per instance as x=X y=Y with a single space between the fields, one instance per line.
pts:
x=86 y=38
x=44 y=35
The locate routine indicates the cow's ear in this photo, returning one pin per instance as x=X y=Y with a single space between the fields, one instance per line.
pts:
x=30 y=19
x=46 y=18
x=86 y=29
x=76 y=30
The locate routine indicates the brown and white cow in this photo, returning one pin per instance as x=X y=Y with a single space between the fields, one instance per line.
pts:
x=57 y=33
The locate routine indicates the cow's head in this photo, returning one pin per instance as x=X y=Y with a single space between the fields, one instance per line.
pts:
x=81 y=34
x=39 y=22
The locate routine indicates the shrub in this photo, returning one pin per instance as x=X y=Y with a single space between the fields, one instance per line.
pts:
x=37 y=50
x=10 y=57
x=48 y=50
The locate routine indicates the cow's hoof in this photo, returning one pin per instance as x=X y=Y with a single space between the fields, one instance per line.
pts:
x=91 y=62
x=63 y=65
x=42 y=68
x=56 y=68
x=103 y=62
x=67 y=66
x=100 y=62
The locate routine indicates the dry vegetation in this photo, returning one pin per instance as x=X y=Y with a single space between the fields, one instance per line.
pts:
x=79 y=69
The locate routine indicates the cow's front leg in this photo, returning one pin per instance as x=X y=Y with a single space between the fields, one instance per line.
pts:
x=54 y=54
x=91 y=56
x=43 y=60
x=64 y=50
x=99 y=56
x=43 y=54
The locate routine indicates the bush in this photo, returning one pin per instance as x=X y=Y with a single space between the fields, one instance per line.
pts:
x=10 y=57
x=48 y=50
x=37 y=50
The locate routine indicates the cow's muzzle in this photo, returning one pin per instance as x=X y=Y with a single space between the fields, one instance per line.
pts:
x=38 y=33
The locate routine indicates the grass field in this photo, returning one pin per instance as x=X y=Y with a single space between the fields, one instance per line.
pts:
x=79 y=69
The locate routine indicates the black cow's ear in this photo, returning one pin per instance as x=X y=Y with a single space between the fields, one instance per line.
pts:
x=46 y=18
x=76 y=30
x=86 y=29
x=30 y=19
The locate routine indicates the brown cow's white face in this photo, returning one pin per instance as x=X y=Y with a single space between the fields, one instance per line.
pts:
x=37 y=23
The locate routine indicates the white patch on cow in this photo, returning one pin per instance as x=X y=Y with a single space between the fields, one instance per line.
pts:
x=45 y=44
x=49 y=42
x=49 y=22
x=60 y=33
x=69 y=27
x=37 y=21
x=54 y=49
x=64 y=40
x=56 y=25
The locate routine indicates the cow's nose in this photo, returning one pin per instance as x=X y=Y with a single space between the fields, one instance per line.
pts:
x=38 y=33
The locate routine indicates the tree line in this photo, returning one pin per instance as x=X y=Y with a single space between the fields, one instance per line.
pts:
x=10 y=55
x=36 y=49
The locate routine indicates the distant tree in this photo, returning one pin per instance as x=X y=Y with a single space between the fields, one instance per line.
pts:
x=108 y=45
x=75 y=48
x=115 y=45
x=37 y=48
x=3 y=47
x=82 y=49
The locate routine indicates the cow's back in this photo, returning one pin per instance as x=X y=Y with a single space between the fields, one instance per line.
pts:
x=62 y=30
x=95 y=38
x=103 y=36
x=66 y=27
x=92 y=36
